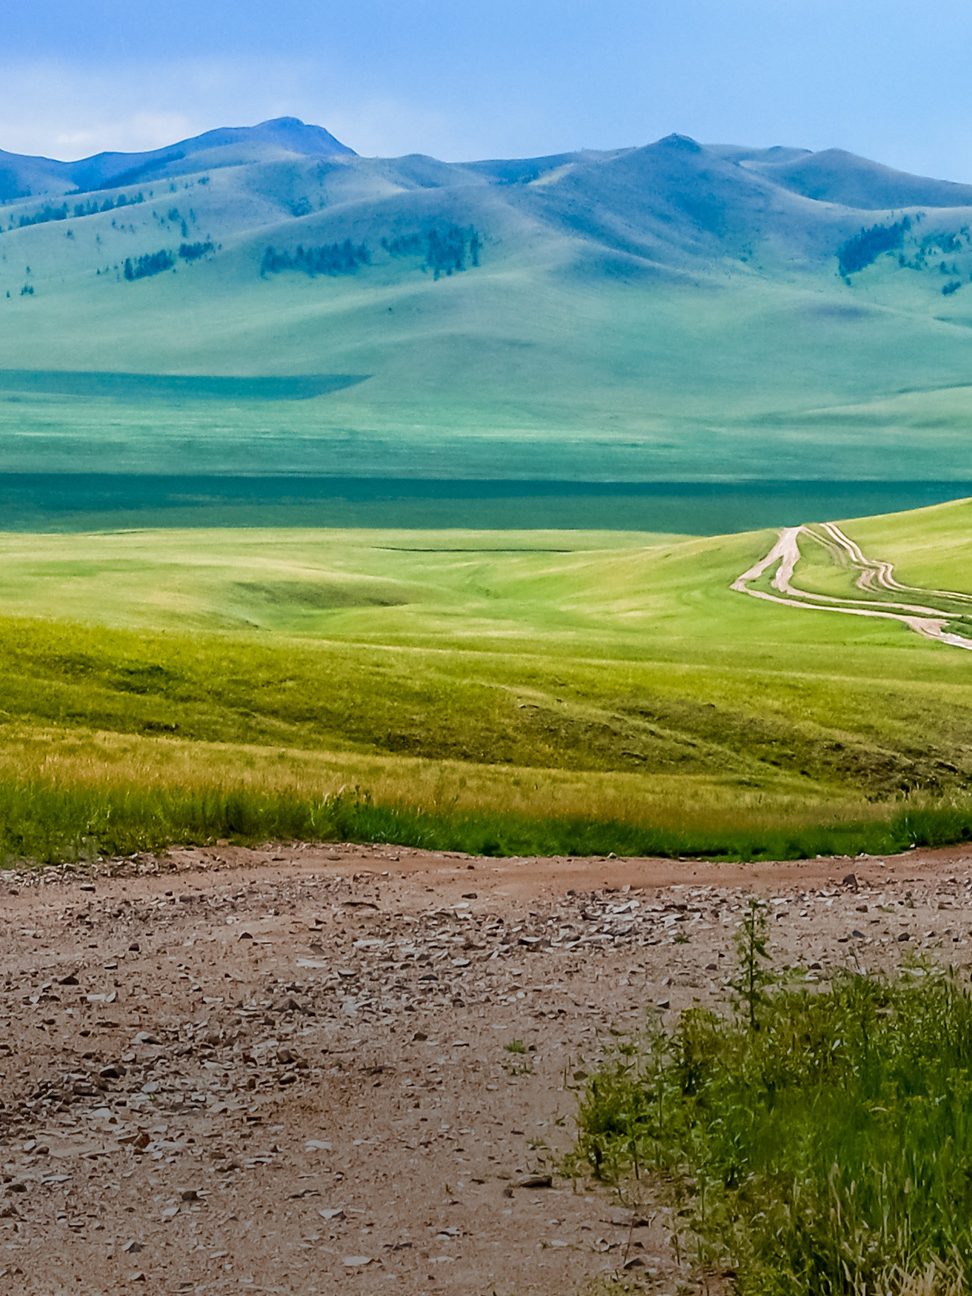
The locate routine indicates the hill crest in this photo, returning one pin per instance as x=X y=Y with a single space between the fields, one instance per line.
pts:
x=22 y=176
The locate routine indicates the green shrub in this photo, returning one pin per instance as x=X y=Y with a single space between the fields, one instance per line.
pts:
x=827 y=1151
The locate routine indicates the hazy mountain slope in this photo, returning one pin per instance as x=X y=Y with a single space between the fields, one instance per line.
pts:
x=672 y=311
x=838 y=177
x=21 y=175
x=230 y=146
x=742 y=153
x=680 y=204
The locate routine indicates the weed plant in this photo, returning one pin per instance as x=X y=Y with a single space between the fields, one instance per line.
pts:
x=815 y=1142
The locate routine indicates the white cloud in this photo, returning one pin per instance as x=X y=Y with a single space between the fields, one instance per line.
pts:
x=58 y=110
x=139 y=132
x=388 y=128
x=52 y=108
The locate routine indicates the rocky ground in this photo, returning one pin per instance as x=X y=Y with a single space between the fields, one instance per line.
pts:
x=313 y=1069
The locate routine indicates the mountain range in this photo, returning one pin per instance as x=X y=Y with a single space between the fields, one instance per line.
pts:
x=266 y=299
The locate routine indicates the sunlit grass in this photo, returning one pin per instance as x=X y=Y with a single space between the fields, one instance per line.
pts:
x=72 y=794
x=534 y=692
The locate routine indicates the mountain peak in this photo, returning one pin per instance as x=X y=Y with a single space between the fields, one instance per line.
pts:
x=225 y=146
x=680 y=143
x=296 y=134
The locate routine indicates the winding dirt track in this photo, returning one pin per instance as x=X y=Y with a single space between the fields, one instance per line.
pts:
x=315 y=1069
x=872 y=575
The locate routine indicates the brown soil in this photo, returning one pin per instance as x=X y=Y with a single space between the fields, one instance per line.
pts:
x=288 y=1070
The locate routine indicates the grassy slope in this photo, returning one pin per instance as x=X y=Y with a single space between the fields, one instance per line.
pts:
x=928 y=546
x=473 y=691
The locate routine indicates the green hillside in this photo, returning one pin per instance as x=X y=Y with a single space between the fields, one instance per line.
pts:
x=663 y=313
x=537 y=692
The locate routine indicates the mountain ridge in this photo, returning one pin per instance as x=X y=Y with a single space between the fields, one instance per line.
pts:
x=105 y=169
x=654 y=312
x=813 y=174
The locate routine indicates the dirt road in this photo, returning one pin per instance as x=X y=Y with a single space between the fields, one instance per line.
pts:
x=873 y=574
x=327 y=1069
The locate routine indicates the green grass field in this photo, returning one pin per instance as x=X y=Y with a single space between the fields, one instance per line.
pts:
x=532 y=692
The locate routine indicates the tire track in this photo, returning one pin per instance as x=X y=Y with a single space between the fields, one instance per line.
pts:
x=872 y=575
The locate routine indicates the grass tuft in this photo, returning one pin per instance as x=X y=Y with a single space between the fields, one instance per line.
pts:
x=817 y=1145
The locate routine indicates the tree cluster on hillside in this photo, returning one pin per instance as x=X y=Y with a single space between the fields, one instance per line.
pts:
x=150 y=263
x=449 y=249
x=327 y=259
x=175 y=217
x=864 y=248
x=64 y=211
x=153 y=263
x=405 y=245
x=929 y=252
x=445 y=250
x=943 y=252
x=195 y=251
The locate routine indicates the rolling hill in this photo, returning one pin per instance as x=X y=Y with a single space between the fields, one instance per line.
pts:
x=263 y=300
x=536 y=691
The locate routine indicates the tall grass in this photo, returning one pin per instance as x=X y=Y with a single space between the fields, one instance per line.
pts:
x=822 y=1148
x=52 y=819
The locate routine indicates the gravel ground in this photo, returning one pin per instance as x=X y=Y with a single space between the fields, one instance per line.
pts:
x=302 y=1070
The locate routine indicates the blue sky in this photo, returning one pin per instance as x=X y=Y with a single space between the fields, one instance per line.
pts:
x=478 y=78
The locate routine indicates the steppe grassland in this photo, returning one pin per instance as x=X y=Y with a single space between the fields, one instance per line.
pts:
x=496 y=691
